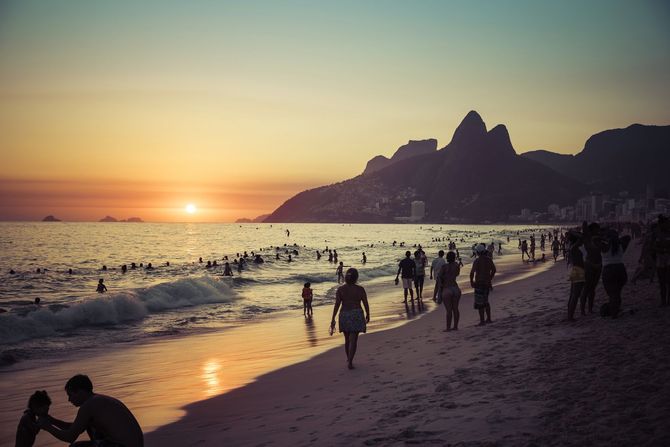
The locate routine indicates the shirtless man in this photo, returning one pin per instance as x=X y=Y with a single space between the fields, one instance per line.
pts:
x=481 y=279
x=108 y=421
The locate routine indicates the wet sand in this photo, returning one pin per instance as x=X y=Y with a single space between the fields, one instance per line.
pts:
x=156 y=380
x=530 y=378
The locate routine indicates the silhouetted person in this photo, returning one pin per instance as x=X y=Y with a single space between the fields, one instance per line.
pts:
x=133 y=266
x=69 y=271
x=38 y=406
x=12 y=272
x=107 y=420
x=451 y=293
x=351 y=319
x=124 y=268
x=102 y=288
x=38 y=300
x=340 y=273
x=577 y=272
x=104 y=268
x=481 y=280
x=227 y=271
x=407 y=269
x=592 y=265
x=435 y=267
x=614 y=271
x=365 y=258
x=307 y=297
x=200 y=260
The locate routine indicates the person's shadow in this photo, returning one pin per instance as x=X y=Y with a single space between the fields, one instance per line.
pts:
x=311 y=331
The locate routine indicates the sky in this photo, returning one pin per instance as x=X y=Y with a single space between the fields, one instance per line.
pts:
x=138 y=108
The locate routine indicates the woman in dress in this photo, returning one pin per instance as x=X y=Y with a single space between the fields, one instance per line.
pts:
x=352 y=322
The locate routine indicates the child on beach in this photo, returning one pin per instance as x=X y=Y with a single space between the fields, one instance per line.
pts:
x=102 y=288
x=38 y=406
x=481 y=279
x=340 y=273
x=307 y=296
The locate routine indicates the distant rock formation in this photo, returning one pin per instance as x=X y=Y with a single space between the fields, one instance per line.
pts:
x=476 y=177
x=261 y=218
x=133 y=219
x=108 y=219
x=409 y=150
x=617 y=159
x=51 y=218
x=258 y=219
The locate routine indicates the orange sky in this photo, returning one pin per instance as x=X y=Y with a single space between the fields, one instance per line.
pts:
x=138 y=108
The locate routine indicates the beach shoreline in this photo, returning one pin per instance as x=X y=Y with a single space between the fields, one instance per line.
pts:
x=518 y=381
x=157 y=378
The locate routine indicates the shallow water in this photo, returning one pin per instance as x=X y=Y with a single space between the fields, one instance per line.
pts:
x=184 y=297
x=177 y=334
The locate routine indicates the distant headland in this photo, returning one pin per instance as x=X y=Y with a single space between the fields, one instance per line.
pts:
x=478 y=178
x=113 y=219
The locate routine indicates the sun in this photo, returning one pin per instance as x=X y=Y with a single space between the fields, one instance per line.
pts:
x=191 y=209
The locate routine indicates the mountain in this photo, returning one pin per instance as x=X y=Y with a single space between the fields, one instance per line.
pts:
x=261 y=218
x=108 y=219
x=409 y=150
x=477 y=176
x=617 y=159
x=50 y=218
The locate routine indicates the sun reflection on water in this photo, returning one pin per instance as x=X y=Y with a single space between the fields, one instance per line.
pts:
x=210 y=375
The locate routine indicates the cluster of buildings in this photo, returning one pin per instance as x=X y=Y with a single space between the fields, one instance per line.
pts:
x=622 y=207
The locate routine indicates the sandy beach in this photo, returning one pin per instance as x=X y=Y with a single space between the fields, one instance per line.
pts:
x=530 y=378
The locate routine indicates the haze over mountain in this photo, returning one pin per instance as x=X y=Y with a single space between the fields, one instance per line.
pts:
x=478 y=176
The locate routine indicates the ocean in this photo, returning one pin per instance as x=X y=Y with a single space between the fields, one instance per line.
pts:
x=161 y=338
x=185 y=297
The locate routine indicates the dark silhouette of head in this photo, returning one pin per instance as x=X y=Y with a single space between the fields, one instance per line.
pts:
x=451 y=257
x=79 y=388
x=308 y=285
x=351 y=276
x=440 y=253
x=408 y=254
x=39 y=403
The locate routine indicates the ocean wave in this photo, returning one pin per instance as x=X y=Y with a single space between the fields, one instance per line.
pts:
x=114 y=308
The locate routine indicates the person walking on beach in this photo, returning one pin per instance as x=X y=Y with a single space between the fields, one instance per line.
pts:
x=554 y=248
x=107 y=420
x=351 y=320
x=307 y=296
x=524 y=250
x=614 y=271
x=419 y=272
x=481 y=280
x=435 y=268
x=27 y=430
x=407 y=268
x=102 y=288
x=451 y=293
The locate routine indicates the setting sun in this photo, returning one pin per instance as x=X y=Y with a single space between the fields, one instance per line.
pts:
x=190 y=208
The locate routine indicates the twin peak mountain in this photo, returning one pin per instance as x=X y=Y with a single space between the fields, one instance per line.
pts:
x=477 y=177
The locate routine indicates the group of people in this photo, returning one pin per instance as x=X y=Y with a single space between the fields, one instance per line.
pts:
x=592 y=253
x=107 y=421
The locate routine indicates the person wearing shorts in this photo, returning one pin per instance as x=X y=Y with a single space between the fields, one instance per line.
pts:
x=407 y=268
x=481 y=280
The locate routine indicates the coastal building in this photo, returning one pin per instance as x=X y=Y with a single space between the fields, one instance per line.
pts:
x=554 y=210
x=418 y=210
